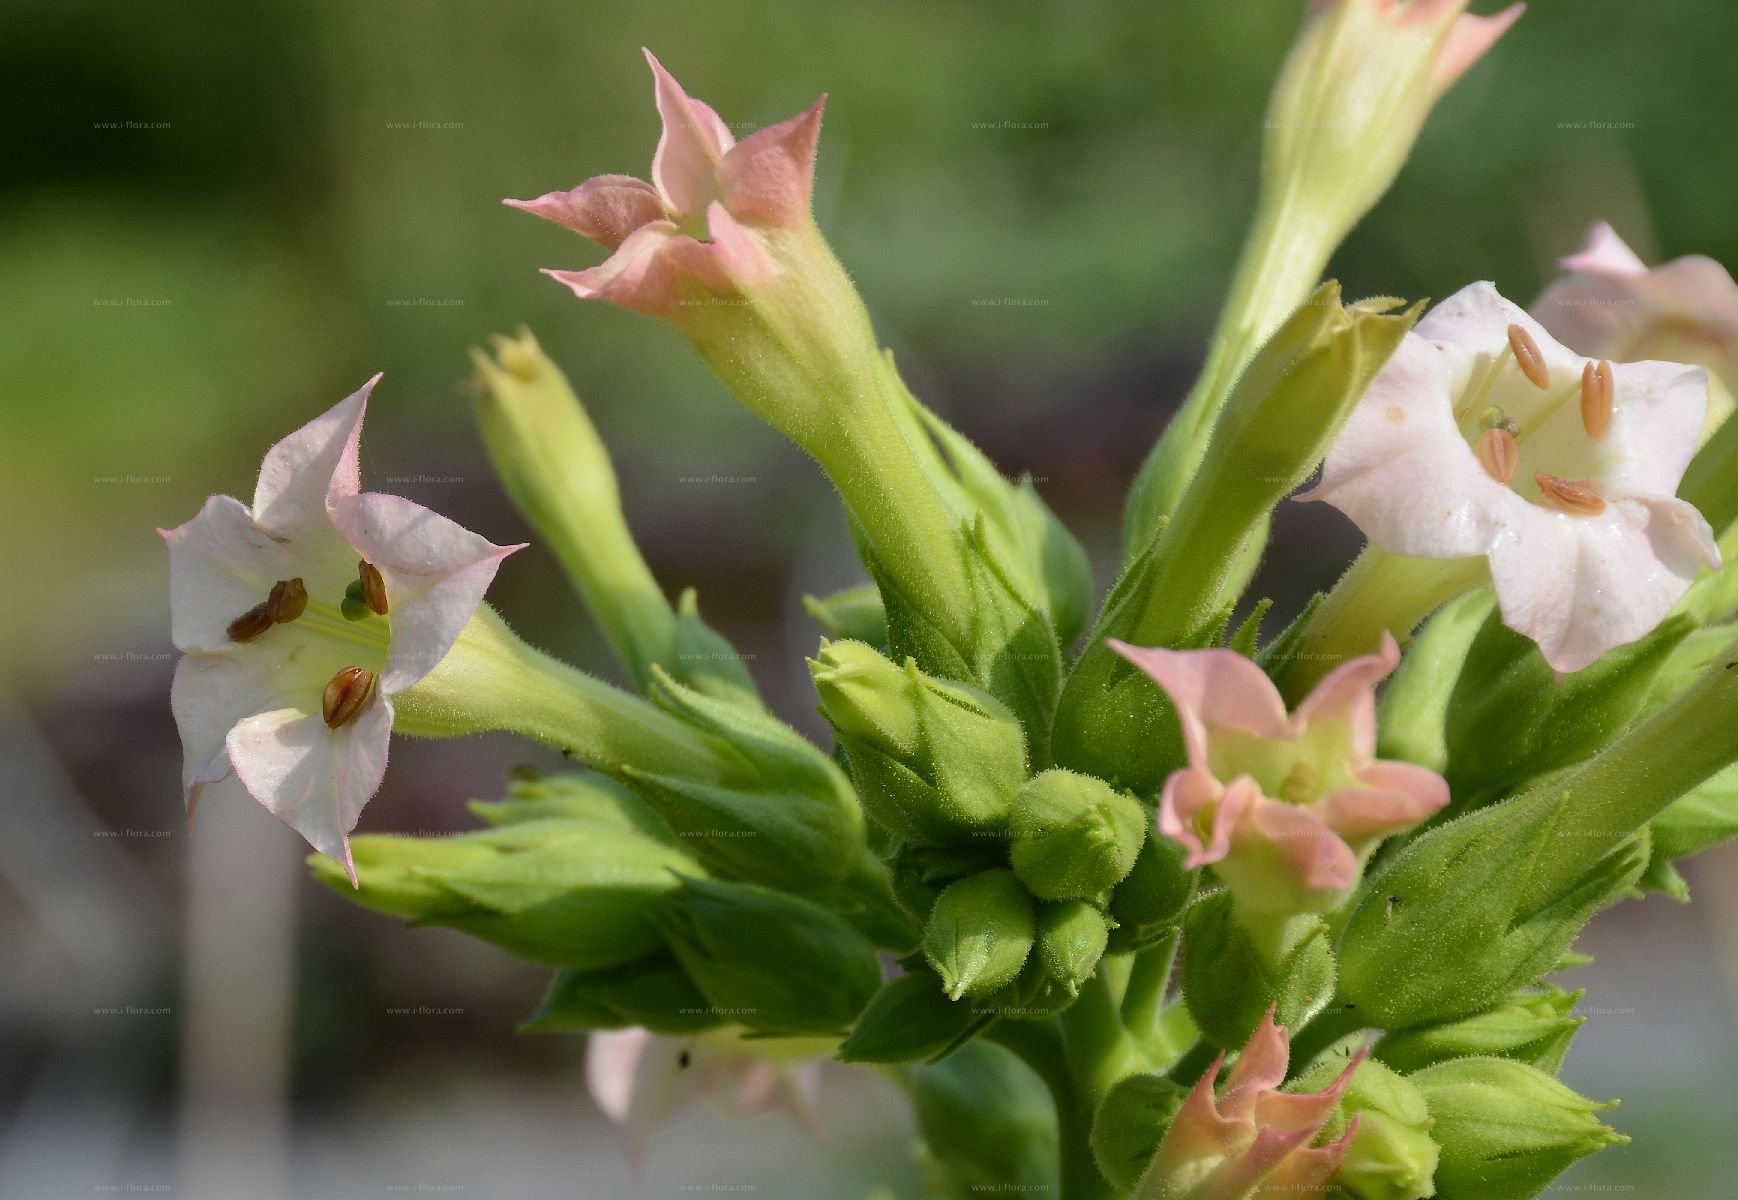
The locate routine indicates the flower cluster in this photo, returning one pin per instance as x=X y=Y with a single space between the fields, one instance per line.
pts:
x=1056 y=870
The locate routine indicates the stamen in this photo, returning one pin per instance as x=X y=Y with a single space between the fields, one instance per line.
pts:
x=289 y=599
x=373 y=587
x=1498 y=454
x=347 y=694
x=1529 y=358
x=1577 y=497
x=1596 y=394
x=251 y=623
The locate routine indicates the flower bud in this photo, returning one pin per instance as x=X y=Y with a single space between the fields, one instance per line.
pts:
x=1007 y=1146
x=1507 y=1129
x=1071 y=940
x=854 y=614
x=1533 y=1027
x=1391 y=1155
x=1512 y=718
x=1451 y=926
x=1252 y=1139
x=908 y=1019
x=558 y=473
x=934 y=760
x=979 y=933
x=1151 y=900
x=1236 y=970
x=770 y=961
x=1276 y=425
x=1414 y=705
x=1129 y=1125
x=654 y=993
x=1075 y=837
x=566 y=893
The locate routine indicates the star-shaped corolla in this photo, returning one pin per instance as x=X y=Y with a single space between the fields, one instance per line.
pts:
x=704 y=217
x=1610 y=304
x=1285 y=807
x=301 y=616
x=1253 y=1139
x=1484 y=436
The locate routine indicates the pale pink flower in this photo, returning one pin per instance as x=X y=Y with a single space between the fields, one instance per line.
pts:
x=1463 y=37
x=702 y=221
x=641 y=1079
x=1253 y=1139
x=1483 y=436
x=1284 y=806
x=1610 y=304
x=261 y=694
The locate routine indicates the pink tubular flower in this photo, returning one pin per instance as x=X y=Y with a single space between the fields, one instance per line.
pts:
x=1253 y=1140
x=1483 y=436
x=639 y=1078
x=301 y=617
x=1285 y=807
x=703 y=219
x=1610 y=304
x=1464 y=37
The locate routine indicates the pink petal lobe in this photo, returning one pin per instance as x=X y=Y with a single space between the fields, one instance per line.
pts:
x=1349 y=692
x=685 y=166
x=1604 y=253
x=1657 y=421
x=605 y=209
x=435 y=571
x=639 y=276
x=1260 y=1068
x=315 y=462
x=1393 y=796
x=1312 y=855
x=1467 y=41
x=1581 y=586
x=1400 y=468
x=1187 y=794
x=314 y=779
x=769 y=175
x=736 y=253
x=612 y=1061
x=1211 y=689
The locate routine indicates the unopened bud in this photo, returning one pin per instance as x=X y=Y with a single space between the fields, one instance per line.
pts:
x=1075 y=837
x=1507 y=1129
x=1391 y=1155
x=979 y=933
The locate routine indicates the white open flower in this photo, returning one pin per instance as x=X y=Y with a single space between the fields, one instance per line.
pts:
x=301 y=617
x=641 y=1079
x=1483 y=436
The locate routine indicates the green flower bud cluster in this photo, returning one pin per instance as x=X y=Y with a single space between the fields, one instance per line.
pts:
x=1392 y=1155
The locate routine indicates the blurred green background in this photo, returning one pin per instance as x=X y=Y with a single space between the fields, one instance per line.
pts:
x=219 y=219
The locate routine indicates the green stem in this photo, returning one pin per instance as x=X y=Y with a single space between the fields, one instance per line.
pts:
x=491 y=680
x=1100 y=1049
x=1040 y=1045
x=1380 y=592
x=1143 y=999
